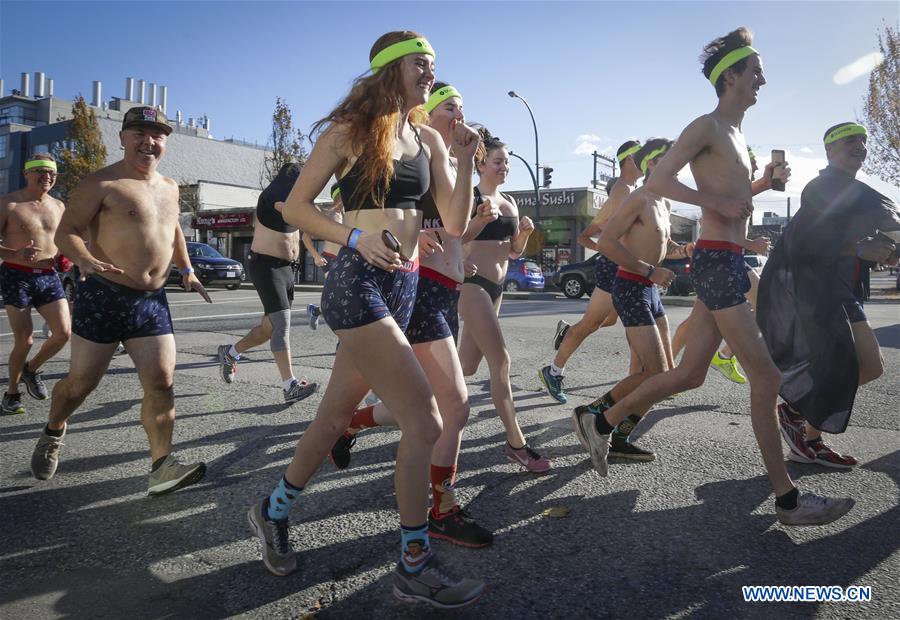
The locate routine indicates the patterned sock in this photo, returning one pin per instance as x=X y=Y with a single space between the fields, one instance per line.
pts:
x=233 y=353
x=627 y=425
x=556 y=371
x=415 y=549
x=363 y=418
x=282 y=499
x=442 y=492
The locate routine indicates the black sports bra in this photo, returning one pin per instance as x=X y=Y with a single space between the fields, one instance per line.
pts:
x=502 y=229
x=277 y=191
x=410 y=181
x=431 y=217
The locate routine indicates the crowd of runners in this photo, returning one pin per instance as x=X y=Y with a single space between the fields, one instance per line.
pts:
x=413 y=243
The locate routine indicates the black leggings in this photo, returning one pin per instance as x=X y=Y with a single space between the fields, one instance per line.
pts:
x=274 y=281
x=493 y=289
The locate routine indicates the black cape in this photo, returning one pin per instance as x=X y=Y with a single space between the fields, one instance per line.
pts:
x=799 y=307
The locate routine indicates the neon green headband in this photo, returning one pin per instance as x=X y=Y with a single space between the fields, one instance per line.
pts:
x=751 y=153
x=850 y=129
x=728 y=60
x=440 y=96
x=40 y=163
x=651 y=156
x=335 y=193
x=400 y=49
x=629 y=152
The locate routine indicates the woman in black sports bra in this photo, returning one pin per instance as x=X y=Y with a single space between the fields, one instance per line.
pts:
x=479 y=304
x=384 y=162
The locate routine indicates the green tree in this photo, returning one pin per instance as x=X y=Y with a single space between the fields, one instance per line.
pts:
x=881 y=111
x=83 y=151
x=285 y=143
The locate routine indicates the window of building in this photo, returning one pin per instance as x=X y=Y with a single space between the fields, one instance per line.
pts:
x=42 y=148
x=4 y=143
x=4 y=182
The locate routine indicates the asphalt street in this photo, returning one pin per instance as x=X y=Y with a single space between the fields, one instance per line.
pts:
x=675 y=538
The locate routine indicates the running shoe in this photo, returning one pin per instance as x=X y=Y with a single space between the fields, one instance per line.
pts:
x=173 y=475
x=561 y=328
x=34 y=383
x=434 y=586
x=120 y=349
x=553 y=384
x=45 y=330
x=45 y=458
x=728 y=367
x=227 y=364
x=620 y=447
x=814 y=510
x=299 y=390
x=527 y=458
x=458 y=527
x=340 y=451
x=313 y=312
x=12 y=404
x=823 y=456
x=597 y=444
x=372 y=399
x=277 y=553
x=793 y=429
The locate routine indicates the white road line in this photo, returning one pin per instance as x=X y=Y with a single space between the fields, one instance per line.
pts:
x=216 y=316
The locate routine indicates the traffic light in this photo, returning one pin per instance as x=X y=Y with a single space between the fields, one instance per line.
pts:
x=548 y=172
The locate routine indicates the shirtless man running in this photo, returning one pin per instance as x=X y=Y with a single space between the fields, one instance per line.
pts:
x=130 y=213
x=637 y=238
x=28 y=221
x=715 y=148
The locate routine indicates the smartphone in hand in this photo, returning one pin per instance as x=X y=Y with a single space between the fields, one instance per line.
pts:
x=777 y=158
x=392 y=242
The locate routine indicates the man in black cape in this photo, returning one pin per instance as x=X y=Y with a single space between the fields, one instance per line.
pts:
x=810 y=311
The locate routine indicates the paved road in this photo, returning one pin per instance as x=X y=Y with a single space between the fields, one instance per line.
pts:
x=674 y=538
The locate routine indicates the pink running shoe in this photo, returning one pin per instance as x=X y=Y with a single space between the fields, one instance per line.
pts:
x=793 y=429
x=528 y=458
x=823 y=455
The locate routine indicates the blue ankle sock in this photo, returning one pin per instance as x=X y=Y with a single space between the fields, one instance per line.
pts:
x=282 y=499
x=415 y=547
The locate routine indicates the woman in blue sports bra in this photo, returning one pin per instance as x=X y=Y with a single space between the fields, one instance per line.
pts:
x=384 y=162
x=479 y=304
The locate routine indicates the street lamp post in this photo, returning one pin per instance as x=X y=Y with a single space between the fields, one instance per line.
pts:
x=537 y=159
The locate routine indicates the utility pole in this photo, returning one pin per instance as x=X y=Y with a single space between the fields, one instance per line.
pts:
x=789 y=209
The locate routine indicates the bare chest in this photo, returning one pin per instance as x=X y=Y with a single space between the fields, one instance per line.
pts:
x=144 y=205
x=32 y=218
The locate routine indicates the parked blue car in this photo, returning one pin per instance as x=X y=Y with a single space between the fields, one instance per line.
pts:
x=523 y=275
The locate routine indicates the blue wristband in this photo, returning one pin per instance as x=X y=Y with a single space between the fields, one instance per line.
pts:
x=355 y=234
x=186 y=271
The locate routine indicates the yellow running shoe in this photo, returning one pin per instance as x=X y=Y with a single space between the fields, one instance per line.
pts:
x=728 y=367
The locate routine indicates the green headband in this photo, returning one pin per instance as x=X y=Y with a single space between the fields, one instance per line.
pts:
x=398 y=50
x=650 y=156
x=850 y=129
x=621 y=157
x=335 y=192
x=40 y=163
x=728 y=60
x=751 y=153
x=440 y=96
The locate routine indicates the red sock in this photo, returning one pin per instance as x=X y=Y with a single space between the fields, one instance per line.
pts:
x=442 y=493
x=363 y=418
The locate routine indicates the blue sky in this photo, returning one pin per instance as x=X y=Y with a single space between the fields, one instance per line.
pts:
x=595 y=73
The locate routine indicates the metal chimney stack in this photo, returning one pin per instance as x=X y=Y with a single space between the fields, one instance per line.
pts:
x=163 y=98
x=141 y=92
x=178 y=117
x=49 y=87
x=206 y=124
x=38 y=84
x=129 y=89
x=97 y=99
x=191 y=122
x=26 y=85
x=152 y=97
x=1 y=87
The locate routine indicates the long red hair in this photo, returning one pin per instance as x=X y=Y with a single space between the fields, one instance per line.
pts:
x=372 y=111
